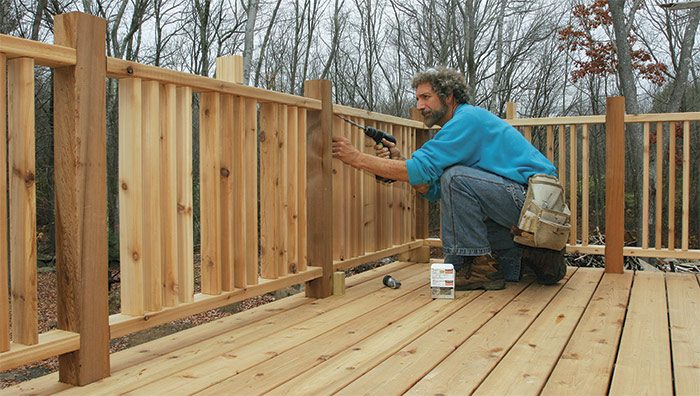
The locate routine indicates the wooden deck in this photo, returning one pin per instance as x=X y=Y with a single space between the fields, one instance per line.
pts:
x=591 y=334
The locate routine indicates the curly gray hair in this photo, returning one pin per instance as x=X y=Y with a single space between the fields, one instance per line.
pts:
x=444 y=81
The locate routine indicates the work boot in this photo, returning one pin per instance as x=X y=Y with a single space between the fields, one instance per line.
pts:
x=548 y=265
x=480 y=272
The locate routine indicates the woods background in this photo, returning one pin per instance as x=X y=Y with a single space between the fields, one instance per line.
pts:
x=551 y=58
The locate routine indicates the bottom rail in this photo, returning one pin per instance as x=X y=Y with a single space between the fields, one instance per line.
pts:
x=628 y=251
x=374 y=256
x=52 y=343
x=121 y=325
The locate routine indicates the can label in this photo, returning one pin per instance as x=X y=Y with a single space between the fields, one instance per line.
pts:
x=442 y=281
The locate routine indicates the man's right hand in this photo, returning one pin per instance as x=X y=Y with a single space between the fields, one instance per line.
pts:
x=387 y=150
x=421 y=188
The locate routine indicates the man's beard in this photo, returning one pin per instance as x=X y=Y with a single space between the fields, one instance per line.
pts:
x=435 y=115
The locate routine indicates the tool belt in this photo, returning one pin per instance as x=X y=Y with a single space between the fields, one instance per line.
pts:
x=544 y=218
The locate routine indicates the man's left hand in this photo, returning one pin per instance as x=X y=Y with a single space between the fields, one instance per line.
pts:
x=343 y=149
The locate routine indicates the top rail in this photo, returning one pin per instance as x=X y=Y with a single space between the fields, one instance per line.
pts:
x=378 y=117
x=52 y=55
x=600 y=119
x=43 y=54
x=119 y=68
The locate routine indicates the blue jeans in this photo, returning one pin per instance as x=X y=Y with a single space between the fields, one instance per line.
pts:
x=477 y=210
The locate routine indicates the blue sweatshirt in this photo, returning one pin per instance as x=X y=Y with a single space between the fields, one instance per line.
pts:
x=476 y=138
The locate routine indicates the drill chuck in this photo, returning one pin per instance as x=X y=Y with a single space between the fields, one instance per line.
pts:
x=390 y=282
x=378 y=135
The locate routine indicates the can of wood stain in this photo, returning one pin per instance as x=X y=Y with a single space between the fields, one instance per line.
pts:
x=442 y=281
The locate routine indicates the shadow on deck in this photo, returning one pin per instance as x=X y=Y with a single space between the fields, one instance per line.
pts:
x=594 y=333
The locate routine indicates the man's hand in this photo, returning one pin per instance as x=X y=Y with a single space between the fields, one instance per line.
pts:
x=421 y=188
x=343 y=149
x=387 y=149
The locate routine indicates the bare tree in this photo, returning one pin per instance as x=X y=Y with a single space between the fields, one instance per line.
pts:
x=266 y=40
x=8 y=17
x=252 y=14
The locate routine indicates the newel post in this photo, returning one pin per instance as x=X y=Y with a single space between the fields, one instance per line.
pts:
x=319 y=189
x=614 y=184
x=511 y=110
x=80 y=157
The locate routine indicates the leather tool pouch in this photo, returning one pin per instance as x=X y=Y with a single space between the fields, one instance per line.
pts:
x=544 y=219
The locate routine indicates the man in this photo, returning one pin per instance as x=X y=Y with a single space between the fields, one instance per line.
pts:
x=478 y=166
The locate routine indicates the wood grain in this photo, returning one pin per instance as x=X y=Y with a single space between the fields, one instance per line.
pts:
x=130 y=198
x=269 y=186
x=210 y=160
x=319 y=187
x=4 y=264
x=80 y=166
x=251 y=183
x=645 y=370
x=684 y=320
x=168 y=193
x=185 y=226
x=303 y=193
x=22 y=180
x=646 y=159
x=615 y=184
x=151 y=173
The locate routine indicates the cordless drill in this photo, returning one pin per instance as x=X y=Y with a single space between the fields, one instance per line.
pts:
x=376 y=135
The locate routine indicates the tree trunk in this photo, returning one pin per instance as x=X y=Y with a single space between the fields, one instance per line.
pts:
x=248 y=43
x=681 y=80
x=38 y=15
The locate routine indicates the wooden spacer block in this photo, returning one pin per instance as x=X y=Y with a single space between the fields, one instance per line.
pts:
x=338 y=283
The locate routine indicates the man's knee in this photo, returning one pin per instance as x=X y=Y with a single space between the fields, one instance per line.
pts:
x=454 y=171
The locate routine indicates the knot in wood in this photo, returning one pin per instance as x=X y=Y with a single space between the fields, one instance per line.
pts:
x=135 y=256
x=29 y=178
x=129 y=70
x=263 y=136
x=124 y=186
x=224 y=172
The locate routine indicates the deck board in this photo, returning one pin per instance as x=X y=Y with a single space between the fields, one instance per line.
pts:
x=589 y=356
x=307 y=321
x=526 y=367
x=593 y=332
x=281 y=348
x=464 y=370
x=684 y=319
x=644 y=359
x=335 y=373
x=306 y=356
x=406 y=367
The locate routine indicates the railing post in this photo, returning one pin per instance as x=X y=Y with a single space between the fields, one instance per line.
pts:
x=80 y=157
x=421 y=206
x=319 y=187
x=614 y=184
x=510 y=110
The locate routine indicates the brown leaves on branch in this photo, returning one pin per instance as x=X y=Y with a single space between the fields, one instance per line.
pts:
x=588 y=40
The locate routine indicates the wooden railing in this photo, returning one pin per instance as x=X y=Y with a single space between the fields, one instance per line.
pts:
x=314 y=215
x=572 y=134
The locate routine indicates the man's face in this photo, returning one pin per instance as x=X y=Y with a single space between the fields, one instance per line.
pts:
x=434 y=109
